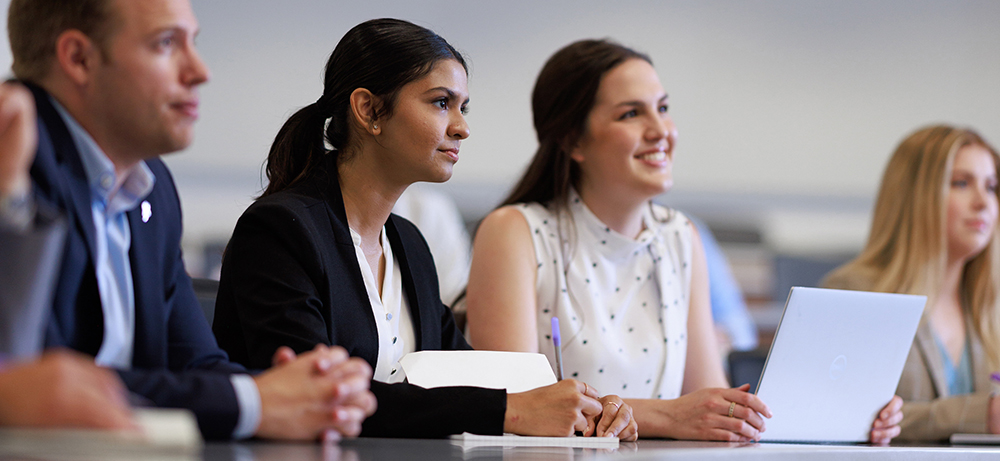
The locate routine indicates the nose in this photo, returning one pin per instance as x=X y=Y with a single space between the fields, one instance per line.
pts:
x=195 y=71
x=458 y=128
x=662 y=127
x=981 y=196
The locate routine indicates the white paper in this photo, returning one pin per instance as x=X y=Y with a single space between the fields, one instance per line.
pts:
x=975 y=439
x=467 y=440
x=514 y=371
x=163 y=434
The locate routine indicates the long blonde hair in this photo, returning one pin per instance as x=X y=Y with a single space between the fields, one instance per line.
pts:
x=907 y=249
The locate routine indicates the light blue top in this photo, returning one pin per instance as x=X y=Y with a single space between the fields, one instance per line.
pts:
x=729 y=310
x=110 y=199
x=959 y=378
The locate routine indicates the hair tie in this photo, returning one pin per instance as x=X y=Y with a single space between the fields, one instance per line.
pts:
x=315 y=111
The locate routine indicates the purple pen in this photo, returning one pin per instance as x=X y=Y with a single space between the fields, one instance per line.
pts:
x=557 y=342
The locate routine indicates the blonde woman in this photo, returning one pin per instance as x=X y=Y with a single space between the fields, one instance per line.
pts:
x=934 y=233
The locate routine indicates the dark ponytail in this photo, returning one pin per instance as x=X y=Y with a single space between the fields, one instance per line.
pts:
x=380 y=55
x=296 y=150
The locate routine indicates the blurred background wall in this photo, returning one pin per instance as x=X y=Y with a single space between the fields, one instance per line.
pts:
x=787 y=109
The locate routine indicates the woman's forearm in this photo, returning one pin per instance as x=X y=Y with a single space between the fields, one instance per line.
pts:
x=653 y=417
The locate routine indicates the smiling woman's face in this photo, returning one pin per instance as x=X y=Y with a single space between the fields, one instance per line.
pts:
x=421 y=138
x=627 y=146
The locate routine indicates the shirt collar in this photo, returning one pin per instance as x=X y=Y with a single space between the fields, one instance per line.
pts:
x=139 y=180
x=608 y=236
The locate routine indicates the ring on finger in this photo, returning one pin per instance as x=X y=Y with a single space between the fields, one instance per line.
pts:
x=586 y=388
x=732 y=406
x=615 y=404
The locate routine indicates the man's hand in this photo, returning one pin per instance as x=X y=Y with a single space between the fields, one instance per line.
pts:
x=18 y=138
x=304 y=397
x=63 y=389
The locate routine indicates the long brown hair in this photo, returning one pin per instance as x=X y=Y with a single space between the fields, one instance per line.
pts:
x=561 y=102
x=380 y=55
x=907 y=248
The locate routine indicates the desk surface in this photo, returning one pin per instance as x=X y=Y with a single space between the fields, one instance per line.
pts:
x=397 y=449
x=403 y=449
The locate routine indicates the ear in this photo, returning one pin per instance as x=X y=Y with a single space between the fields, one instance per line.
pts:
x=77 y=56
x=363 y=110
x=572 y=149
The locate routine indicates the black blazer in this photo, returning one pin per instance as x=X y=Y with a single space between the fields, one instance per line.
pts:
x=290 y=277
x=175 y=360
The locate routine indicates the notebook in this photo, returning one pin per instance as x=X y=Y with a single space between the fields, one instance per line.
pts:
x=835 y=362
x=162 y=434
x=467 y=440
x=975 y=439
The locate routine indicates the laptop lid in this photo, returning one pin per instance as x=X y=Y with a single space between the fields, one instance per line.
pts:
x=835 y=362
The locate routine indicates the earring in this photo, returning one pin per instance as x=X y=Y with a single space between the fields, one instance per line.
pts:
x=375 y=127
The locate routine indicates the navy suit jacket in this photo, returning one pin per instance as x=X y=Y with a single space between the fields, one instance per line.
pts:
x=291 y=277
x=175 y=361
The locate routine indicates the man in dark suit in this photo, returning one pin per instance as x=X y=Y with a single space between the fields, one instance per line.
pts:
x=114 y=84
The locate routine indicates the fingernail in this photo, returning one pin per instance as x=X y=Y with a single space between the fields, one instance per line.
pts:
x=330 y=436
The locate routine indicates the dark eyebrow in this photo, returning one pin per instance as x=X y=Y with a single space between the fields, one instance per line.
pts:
x=662 y=100
x=451 y=94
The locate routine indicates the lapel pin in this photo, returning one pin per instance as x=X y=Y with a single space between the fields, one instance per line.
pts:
x=147 y=211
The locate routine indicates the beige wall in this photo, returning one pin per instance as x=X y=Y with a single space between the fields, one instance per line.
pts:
x=787 y=109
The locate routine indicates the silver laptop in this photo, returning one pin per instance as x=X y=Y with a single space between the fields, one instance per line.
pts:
x=835 y=362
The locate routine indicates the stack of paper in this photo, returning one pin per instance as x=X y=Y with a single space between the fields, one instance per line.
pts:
x=975 y=439
x=467 y=440
x=163 y=435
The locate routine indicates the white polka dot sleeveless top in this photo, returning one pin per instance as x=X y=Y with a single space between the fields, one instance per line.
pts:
x=622 y=304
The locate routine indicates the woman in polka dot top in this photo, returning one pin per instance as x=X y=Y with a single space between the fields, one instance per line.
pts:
x=580 y=239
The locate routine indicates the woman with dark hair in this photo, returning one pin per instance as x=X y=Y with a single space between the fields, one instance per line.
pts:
x=580 y=239
x=319 y=259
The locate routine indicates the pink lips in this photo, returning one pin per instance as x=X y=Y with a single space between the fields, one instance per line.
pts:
x=653 y=163
x=979 y=225
x=188 y=108
x=452 y=154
